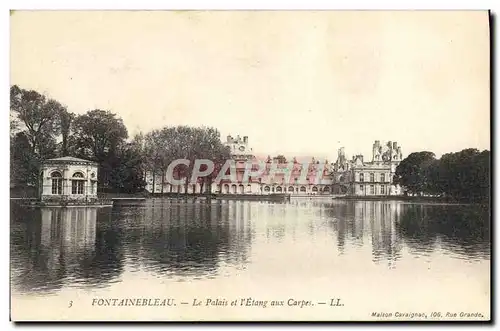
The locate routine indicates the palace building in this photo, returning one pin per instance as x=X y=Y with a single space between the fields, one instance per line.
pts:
x=313 y=177
x=374 y=178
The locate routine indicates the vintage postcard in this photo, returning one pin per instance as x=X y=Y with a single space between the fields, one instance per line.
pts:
x=250 y=165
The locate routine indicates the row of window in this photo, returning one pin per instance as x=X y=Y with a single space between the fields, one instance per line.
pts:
x=78 y=174
x=372 y=177
x=372 y=189
x=77 y=186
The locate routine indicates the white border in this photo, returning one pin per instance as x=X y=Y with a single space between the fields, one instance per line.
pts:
x=188 y=4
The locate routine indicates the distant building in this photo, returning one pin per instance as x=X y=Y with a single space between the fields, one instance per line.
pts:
x=360 y=178
x=68 y=179
x=344 y=177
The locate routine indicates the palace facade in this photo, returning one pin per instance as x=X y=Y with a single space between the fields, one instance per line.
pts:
x=68 y=179
x=279 y=175
x=374 y=178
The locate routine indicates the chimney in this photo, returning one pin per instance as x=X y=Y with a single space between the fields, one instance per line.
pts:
x=395 y=145
x=245 y=139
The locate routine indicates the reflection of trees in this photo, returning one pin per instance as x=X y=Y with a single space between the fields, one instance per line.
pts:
x=106 y=263
x=51 y=245
x=56 y=247
x=463 y=229
x=32 y=268
x=191 y=238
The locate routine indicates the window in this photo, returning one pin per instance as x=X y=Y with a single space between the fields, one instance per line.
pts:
x=92 y=188
x=361 y=177
x=382 y=178
x=77 y=183
x=382 y=189
x=77 y=187
x=361 y=187
x=56 y=182
x=302 y=189
x=290 y=189
x=372 y=189
x=372 y=177
x=315 y=189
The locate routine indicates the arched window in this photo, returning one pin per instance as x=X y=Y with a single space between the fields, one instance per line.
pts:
x=249 y=188
x=77 y=183
x=241 y=188
x=302 y=189
x=226 y=188
x=290 y=189
x=56 y=182
x=326 y=189
x=315 y=189
x=278 y=189
x=266 y=189
x=233 y=187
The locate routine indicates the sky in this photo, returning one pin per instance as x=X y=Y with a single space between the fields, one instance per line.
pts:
x=294 y=82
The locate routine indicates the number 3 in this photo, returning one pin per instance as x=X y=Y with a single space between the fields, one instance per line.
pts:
x=70 y=304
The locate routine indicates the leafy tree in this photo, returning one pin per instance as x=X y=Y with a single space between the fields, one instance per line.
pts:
x=24 y=163
x=37 y=115
x=411 y=173
x=461 y=175
x=183 y=142
x=33 y=130
x=98 y=134
x=126 y=173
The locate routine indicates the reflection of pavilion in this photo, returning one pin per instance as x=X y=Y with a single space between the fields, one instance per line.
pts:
x=52 y=245
x=67 y=233
x=71 y=228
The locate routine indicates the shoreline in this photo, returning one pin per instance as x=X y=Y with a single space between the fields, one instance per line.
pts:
x=126 y=197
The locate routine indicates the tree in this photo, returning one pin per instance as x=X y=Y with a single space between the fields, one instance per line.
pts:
x=126 y=174
x=463 y=175
x=164 y=146
x=37 y=115
x=24 y=163
x=65 y=118
x=34 y=127
x=412 y=172
x=98 y=133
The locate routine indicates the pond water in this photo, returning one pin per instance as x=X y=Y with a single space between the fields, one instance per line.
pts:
x=367 y=256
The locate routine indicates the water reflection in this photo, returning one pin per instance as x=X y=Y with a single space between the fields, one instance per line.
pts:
x=187 y=239
x=462 y=230
x=52 y=248
x=51 y=245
